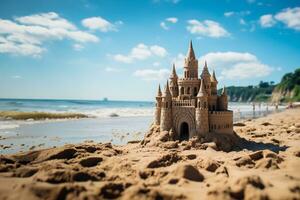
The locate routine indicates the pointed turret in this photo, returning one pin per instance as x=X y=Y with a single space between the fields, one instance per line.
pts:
x=224 y=91
x=205 y=72
x=190 y=64
x=191 y=54
x=213 y=77
x=173 y=74
x=158 y=91
x=202 y=91
x=167 y=91
x=174 y=83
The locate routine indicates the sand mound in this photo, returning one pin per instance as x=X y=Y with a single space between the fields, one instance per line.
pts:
x=188 y=172
x=254 y=167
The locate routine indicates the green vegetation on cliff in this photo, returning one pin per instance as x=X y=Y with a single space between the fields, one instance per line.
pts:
x=289 y=87
x=287 y=90
x=261 y=92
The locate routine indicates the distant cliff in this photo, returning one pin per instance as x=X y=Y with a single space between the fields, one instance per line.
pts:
x=261 y=92
x=288 y=89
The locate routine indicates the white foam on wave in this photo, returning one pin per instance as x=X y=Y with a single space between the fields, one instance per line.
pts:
x=121 y=112
x=8 y=125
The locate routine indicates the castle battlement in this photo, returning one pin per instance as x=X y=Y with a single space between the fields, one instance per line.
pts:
x=183 y=103
x=190 y=105
x=227 y=112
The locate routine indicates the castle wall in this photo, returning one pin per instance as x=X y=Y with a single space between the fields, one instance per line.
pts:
x=157 y=115
x=220 y=121
x=166 y=119
x=182 y=114
x=212 y=102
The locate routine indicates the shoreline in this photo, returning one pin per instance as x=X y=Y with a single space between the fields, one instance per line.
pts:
x=23 y=135
x=265 y=165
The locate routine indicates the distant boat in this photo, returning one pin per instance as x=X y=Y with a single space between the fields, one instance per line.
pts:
x=105 y=99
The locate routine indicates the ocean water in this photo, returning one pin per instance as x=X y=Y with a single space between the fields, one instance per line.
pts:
x=132 y=122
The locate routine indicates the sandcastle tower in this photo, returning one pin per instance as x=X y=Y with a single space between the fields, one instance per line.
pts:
x=166 y=110
x=190 y=105
x=202 y=111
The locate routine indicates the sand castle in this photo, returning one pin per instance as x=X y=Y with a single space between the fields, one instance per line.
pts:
x=190 y=106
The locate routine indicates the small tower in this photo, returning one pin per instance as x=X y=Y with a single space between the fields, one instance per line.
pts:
x=214 y=84
x=190 y=64
x=166 y=110
x=222 y=100
x=202 y=126
x=158 y=107
x=174 y=83
x=205 y=76
x=225 y=101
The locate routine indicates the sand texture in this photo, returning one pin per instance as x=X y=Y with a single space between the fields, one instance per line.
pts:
x=262 y=161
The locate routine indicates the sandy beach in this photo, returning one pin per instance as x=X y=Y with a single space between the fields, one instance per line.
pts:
x=264 y=164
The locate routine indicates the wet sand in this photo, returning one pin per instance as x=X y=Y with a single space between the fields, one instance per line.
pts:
x=264 y=163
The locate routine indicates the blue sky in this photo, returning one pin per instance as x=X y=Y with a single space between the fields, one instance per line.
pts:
x=122 y=49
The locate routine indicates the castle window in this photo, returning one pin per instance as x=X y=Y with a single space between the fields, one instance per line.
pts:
x=166 y=104
x=204 y=104
x=195 y=91
x=182 y=90
x=188 y=90
x=214 y=107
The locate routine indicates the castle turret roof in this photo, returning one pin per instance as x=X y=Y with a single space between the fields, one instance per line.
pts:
x=173 y=74
x=159 y=91
x=167 y=92
x=191 y=54
x=224 y=91
x=205 y=72
x=202 y=91
x=213 y=77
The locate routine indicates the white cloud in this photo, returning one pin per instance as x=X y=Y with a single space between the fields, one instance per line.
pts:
x=150 y=74
x=112 y=69
x=242 y=22
x=16 y=77
x=172 y=20
x=207 y=28
x=141 y=52
x=49 y=20
x=158 y=50
x=267 y=21
x=290 y=17
x=98 y=23
x=246 y=71
x=228 y=14
x=237 y=13
x=26 y=35
x=156 y=64
x=179 y=60
x=236 y=65
x=165 y=24
x=78 y=47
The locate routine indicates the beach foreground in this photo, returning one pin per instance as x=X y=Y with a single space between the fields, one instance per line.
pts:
x=264 y=164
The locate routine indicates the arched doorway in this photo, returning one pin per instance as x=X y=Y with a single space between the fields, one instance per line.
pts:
x=184 y=131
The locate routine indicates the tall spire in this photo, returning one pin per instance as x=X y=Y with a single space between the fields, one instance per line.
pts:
x=202 y=91
x=224 y=91
x=167 y=92
x=213 y=77
x=205 y=71
x=158 y=91
x=173 y=74
x=191 y=54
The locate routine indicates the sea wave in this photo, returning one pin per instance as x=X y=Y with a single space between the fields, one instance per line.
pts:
x=121 y=112
x=8 y=125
